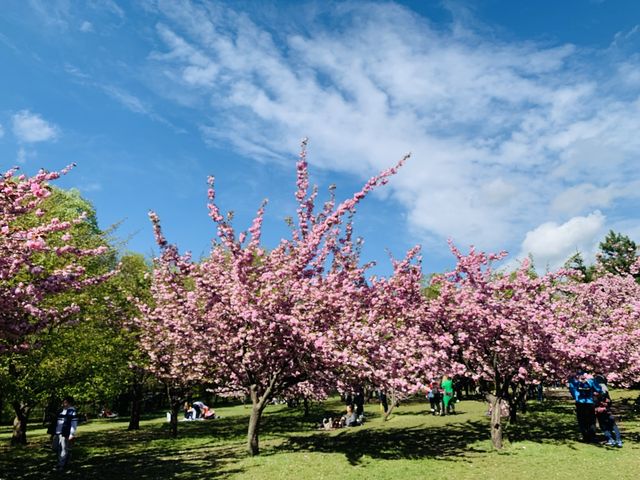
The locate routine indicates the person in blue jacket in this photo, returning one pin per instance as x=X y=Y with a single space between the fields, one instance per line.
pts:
x=582 y=390
x=63 y=431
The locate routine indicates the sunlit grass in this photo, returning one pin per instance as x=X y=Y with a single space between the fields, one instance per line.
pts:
x=412 y=444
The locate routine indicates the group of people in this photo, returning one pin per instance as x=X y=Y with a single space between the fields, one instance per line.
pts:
x=198 y=411
x=442 y=397
x=353 y=416
x=349 y=419
x=593 y=403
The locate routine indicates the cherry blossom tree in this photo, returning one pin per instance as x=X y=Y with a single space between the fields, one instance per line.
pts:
x=502 y=326
x=599 y=327
x=45 y=261
x=265 y=321
x=167 y=328
x=389 y=345
x=25 y=284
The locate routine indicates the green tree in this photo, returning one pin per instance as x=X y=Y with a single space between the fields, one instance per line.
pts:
x=28 y=377
x=617 y=254
x=586 y=273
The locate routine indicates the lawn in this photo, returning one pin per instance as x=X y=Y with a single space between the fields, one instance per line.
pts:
x=412 y=444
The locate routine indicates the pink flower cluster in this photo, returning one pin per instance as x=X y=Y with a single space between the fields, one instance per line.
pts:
x=25 y=284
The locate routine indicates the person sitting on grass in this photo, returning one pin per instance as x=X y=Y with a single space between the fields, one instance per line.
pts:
x=209 y=413
x=189 y=411
x=350 y=418
x=107 y=413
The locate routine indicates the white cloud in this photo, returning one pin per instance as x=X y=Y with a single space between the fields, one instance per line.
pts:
x=504 y=135
x=582 y=197
x=23 y=155
x=1 y=131
x=131 y=102
x=31 y=128
x=21 y=158
x=86 y=27
x=551 y=244
x=90 y=187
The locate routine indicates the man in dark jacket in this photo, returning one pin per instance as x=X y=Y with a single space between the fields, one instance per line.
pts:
x=64 y=431
x=582 y=390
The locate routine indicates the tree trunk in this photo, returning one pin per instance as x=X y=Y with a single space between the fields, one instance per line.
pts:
x=306 y=407
x=19 y=436
x=50 y=411
x=136 y=403
x=175 y=409
x=496 y=422
x=392 y=405
x=258 y=404
x=254 y=430
x=175 y=401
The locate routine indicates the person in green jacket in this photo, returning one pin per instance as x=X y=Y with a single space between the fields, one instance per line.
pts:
x=447 y=398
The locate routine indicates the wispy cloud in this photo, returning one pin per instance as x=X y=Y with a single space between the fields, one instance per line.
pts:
x=504 y=135
x=23 y=155
x=31 y=128
x=1 y=131
x=86 y=27
x=128 y=100
x=90 y=187
x=61 y=14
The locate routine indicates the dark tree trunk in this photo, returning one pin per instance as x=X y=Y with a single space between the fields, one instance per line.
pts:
x=513 y=411
x=175 y=402
x=50 y=410
x=19 y=436
x=175 y=409
x=307 y=406
x=136 y=401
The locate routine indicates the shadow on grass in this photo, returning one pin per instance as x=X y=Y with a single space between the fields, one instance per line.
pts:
x=147 y=454
x=450 y=441
x=214 y=449
x=552 y=422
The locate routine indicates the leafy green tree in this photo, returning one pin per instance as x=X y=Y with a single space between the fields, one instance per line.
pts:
x=27 y=376
x=617 y=254
x=586 y=273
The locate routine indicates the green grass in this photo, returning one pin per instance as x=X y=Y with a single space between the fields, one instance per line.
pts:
x=412 y=444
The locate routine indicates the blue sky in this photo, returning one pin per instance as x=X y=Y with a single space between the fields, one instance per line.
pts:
x=522 y=117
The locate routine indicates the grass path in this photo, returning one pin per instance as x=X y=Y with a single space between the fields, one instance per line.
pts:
x=412 y=444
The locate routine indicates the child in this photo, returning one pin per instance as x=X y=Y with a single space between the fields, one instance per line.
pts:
x=434 y=394
x=606 y=420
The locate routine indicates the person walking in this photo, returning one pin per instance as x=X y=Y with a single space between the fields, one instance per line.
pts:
x=64 y=432
x=434 y=395
x=447 y=396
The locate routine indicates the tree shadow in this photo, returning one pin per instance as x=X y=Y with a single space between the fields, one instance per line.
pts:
x=443 y=442
x=118 y=454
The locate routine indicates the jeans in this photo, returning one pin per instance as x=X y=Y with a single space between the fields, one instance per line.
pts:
x=62 y=447
x=609 y=427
